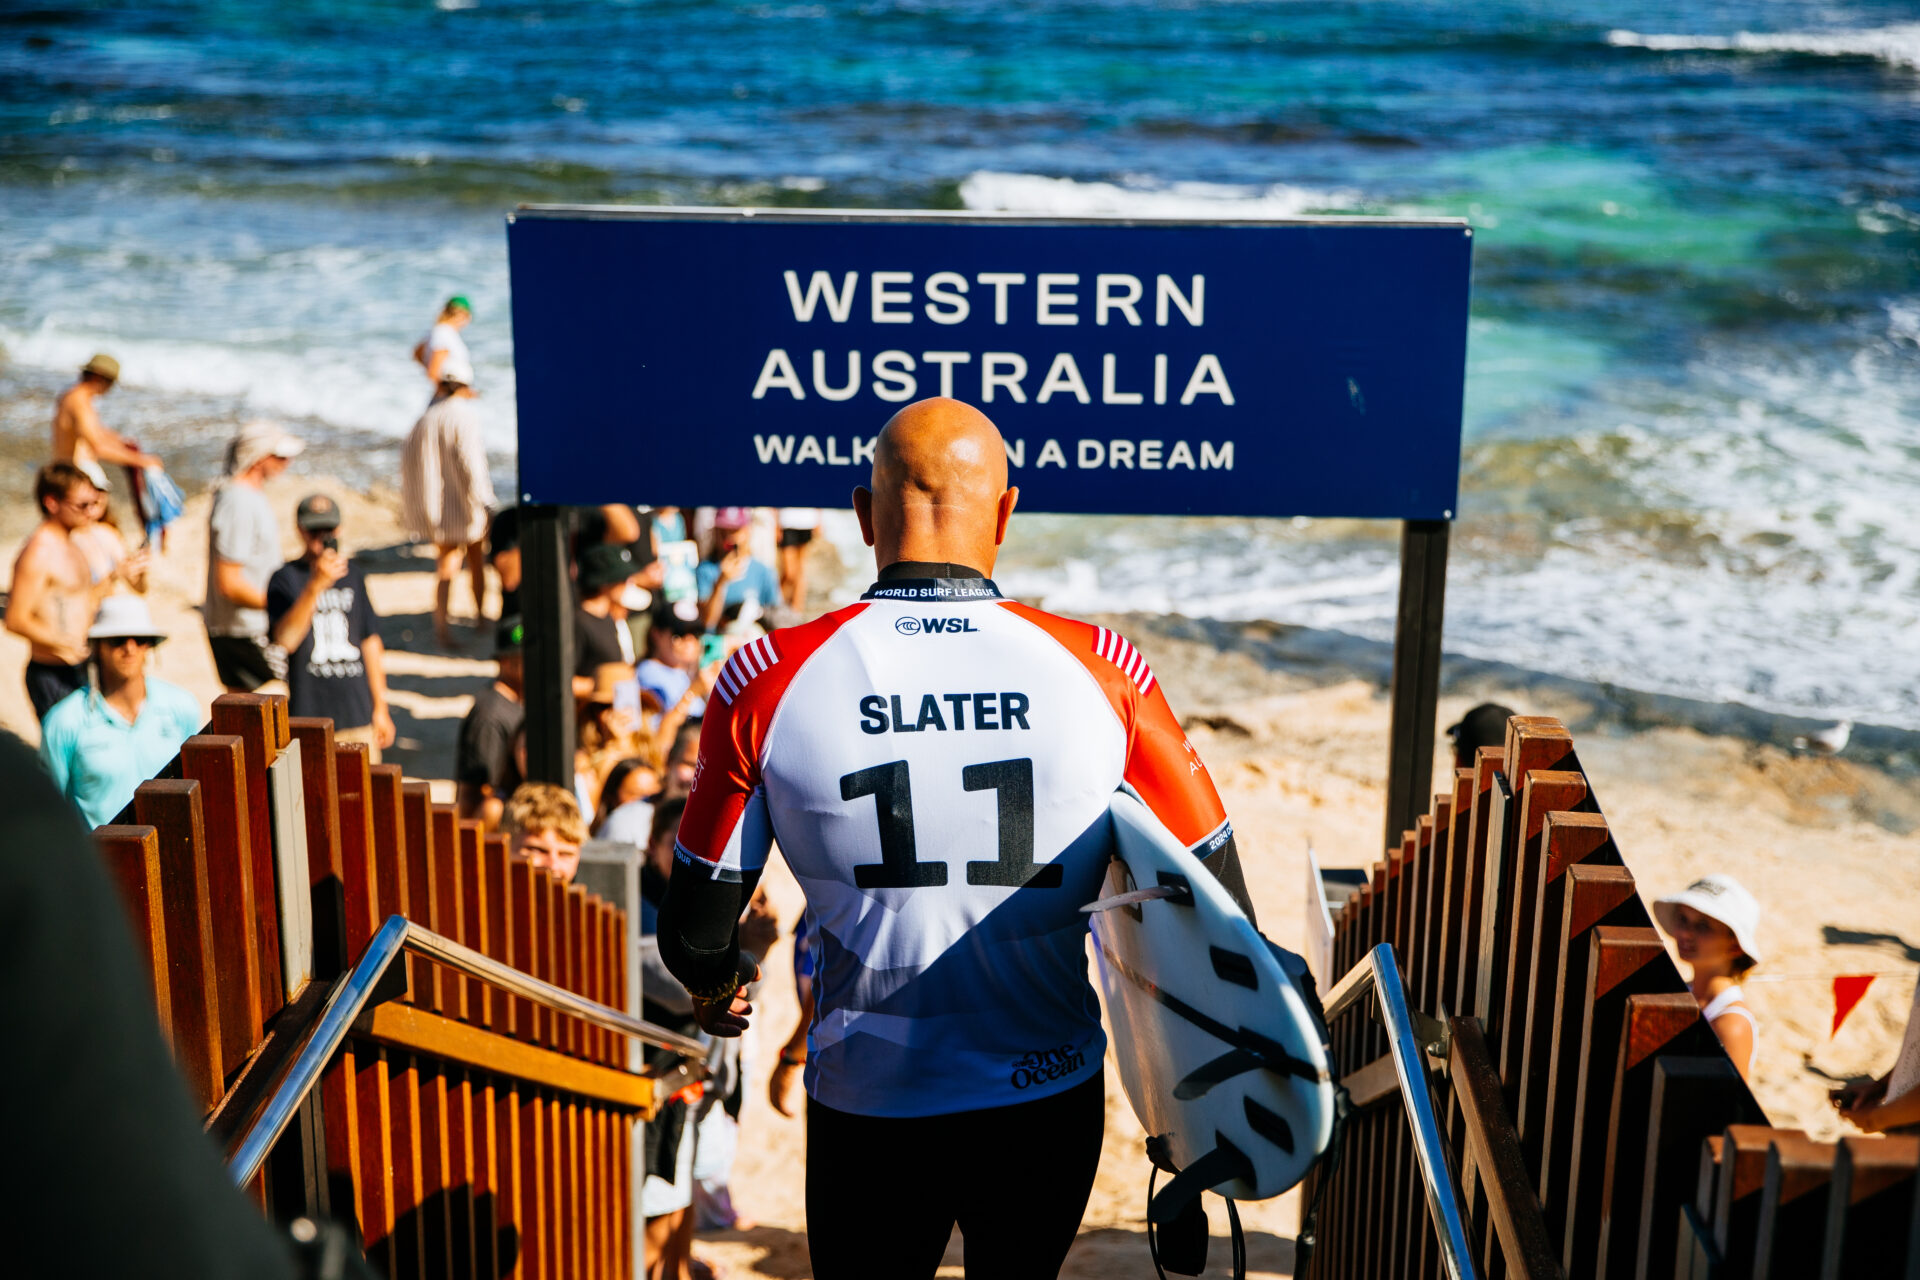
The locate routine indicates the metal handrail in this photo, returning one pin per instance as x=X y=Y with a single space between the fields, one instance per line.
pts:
x=353 y=991
x=1381 y=972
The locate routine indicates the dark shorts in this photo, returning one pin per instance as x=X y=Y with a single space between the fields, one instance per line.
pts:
x=796 y=537
x=48 y=682
x=884 y=1194
x=242 y=662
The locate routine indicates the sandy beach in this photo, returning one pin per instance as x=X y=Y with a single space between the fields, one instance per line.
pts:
x=1828 y=846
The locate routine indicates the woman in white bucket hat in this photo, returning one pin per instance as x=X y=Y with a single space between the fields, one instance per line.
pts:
x=1714 y=921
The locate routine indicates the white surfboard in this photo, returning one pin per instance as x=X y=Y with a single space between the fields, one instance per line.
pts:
x=1216 y=1049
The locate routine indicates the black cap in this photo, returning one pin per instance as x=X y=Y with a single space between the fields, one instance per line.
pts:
x=317 y=513
x=604 y=564
x=509 y=636
x=670 y=618
x=1484 y=726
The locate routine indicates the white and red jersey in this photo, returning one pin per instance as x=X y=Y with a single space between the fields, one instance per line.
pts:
x=935 y=763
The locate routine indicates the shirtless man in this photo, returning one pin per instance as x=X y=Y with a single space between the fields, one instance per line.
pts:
x=54 y=595
x=80 y=437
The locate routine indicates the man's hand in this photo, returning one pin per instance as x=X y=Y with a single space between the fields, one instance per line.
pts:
x=383 y=730
x=133 y=569
x=327 y=570
x=733 y=565
x=728 y=1016
x=786 y=1073
x=759 y=927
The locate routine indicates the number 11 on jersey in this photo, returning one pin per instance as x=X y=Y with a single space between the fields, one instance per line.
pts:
x=899 y=867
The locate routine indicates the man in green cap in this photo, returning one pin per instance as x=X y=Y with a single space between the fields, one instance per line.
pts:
x=79 y=436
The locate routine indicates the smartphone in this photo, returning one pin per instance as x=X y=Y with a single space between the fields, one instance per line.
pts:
x=332 y=543
x=712 y=649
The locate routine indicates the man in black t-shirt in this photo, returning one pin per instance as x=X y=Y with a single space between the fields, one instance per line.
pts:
x=484 y=768
x=607 y=593
x=318 y=611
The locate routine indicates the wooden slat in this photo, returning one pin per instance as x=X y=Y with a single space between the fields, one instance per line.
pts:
x=1495 y=905
x=524 y=924
x=1871 y=1210
x=576 y=908
x=327 y=882
x=392 y=890
x=132 y=856
x=1621 y=963
x=350 y=761
x=1667 y=1022
x=1793 y=1208
x=1466 y=906
x=498 y=932
x=340 y=1105
x=218 y=762
x=449 y=896
x=1534 y=744
x=1494 y=1148
x=1567 y=839
x=416 y=808
x=1595 y=896
x=376 y=1151
x=1449 y=889
x=260 y=721
x=1546 y=791
x=1742 y=1178
x=473 y=918
x=172 y=808
x=409 y=1251
x=1692 y=1100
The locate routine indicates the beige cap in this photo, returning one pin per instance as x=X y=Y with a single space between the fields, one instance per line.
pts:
x=261 y=439
x=104 y=365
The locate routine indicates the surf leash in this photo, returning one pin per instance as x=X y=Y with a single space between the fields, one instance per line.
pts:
x=1177 y=1220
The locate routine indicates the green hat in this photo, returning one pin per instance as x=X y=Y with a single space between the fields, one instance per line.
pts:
x=459 y=300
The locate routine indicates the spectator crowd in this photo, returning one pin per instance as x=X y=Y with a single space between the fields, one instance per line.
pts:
x=662 y=596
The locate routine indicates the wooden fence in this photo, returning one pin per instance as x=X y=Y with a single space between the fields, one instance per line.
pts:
x=466 y=1132
x=1597 y=1128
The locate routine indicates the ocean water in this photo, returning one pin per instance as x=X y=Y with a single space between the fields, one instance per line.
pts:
x=1693 y=409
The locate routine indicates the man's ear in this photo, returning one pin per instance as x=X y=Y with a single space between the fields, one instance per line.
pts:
x=863 y=509
x=1008 y=501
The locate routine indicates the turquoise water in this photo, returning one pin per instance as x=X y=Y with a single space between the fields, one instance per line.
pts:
x=1692 y=456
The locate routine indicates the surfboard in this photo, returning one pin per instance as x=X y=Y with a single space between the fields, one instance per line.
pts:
x=1216 y=1048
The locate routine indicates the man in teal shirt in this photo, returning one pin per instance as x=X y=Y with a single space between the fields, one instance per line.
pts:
x=103 y=741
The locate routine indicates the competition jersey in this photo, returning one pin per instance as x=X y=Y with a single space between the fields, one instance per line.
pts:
x=935 y=763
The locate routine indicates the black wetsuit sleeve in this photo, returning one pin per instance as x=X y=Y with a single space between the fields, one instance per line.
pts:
x=700 y=927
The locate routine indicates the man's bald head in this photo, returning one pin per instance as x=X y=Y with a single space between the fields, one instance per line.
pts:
x=939 y=487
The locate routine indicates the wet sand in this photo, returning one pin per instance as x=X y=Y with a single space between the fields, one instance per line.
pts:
x=1298 y=749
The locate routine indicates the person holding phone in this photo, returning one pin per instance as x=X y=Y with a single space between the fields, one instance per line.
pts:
x=730 y=578
x=318 y=611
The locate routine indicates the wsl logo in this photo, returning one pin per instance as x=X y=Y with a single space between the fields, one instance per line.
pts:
x=932 y=626
x=1047 y=1064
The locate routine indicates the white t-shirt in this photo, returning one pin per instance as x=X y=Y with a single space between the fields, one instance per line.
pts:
x=459 y=363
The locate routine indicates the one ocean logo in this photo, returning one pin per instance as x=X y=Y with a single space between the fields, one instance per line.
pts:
x=934 y=626
x=1046 y=1064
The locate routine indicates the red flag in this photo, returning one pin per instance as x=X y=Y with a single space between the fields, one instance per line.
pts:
x=1848 y=990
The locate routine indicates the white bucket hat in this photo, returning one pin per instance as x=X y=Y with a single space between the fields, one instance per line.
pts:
x=1724 y=899
x=123 y=616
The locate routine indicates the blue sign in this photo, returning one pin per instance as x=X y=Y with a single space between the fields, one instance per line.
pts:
x=1310 y=368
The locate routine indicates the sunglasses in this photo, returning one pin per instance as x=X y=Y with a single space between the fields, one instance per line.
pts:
x=116 y=642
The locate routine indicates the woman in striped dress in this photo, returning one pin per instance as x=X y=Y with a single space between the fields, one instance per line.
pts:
x=446 y=491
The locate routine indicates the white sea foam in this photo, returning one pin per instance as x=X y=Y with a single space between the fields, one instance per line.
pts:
x=1898 y=44
x=991 y=192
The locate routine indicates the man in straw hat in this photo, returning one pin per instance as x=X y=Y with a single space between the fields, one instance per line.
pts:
x=102 y=741
x=80 y=437
x=446 y=491
x=243 y=551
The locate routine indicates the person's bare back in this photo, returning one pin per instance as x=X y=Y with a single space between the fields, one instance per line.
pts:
x=81 y=438
x=52 y=599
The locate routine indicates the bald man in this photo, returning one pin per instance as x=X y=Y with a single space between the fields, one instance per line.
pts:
x=935 y=762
